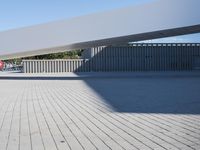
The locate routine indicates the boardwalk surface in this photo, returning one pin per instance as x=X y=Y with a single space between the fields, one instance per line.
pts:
x=100 y=113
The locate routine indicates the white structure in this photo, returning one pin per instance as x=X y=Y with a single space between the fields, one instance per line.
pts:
x=161 y=18
x=136 y=57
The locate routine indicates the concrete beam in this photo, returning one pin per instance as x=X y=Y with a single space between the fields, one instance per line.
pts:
x=156 y=19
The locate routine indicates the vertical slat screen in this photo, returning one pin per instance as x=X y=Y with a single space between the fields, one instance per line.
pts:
x=137 y=57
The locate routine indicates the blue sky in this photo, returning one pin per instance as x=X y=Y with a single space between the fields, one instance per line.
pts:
x=20 y=13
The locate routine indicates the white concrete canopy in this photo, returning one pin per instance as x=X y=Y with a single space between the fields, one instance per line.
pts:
x=157 y=19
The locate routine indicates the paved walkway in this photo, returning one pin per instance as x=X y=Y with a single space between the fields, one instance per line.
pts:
x=83 y=114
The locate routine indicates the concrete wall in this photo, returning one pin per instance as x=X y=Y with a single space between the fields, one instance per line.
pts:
x=137 y=57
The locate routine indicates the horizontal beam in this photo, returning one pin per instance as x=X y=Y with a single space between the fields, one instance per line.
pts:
x=155 y=19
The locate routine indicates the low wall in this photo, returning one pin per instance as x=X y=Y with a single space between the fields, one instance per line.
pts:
x=55 y=66
x=138 y=57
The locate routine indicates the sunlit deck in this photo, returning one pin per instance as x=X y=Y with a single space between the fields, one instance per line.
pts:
x=116 y=112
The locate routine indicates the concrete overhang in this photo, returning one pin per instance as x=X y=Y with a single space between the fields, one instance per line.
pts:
x=157 y=19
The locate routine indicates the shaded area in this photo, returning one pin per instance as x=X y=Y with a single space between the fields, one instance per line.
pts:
x=160 y=92
x=146 y=92
x=150 y=95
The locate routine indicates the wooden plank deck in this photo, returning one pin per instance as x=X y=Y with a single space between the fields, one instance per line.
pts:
x=70 y=114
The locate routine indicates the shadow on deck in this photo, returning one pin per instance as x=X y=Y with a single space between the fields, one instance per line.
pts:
x=140 y=93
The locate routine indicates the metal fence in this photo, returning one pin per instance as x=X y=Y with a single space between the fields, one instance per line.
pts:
x=137 y=57
x=55 y=66
x=146 y=57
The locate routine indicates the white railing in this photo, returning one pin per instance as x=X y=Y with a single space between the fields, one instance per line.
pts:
x=56 y=66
